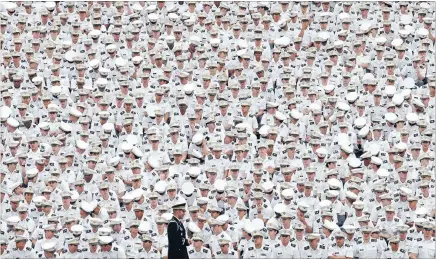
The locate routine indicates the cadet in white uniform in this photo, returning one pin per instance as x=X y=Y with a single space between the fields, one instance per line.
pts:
x=394 y=251
x=367 y=247
x=286 y=248
x=197 y=250
x=340 y=249
x=333 y=109
x=225 y=250
x=258 y=249
x=313 y=249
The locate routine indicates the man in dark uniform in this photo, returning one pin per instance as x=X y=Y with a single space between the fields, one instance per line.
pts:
x=177 y=241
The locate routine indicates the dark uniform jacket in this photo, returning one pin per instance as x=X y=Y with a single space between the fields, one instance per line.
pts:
x=177 y=242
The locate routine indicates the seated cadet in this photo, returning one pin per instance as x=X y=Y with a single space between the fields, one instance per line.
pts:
x=225 y=250
x=197 y=250
x=340 y=249
x=313 y=249
x=394 y=251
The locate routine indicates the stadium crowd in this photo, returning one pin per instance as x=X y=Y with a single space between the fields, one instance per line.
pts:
x=284 y=129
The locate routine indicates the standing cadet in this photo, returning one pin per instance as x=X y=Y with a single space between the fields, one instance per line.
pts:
x=177 y=239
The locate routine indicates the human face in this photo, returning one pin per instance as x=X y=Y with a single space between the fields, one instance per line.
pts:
x=155 y=144
x=425 y=190
x=307 y=190
x=66 y=201
x=285 y=240
x=428 y=233
x=224 y=248
x=366 y=235
x=106 y=247
x=49 y=234
x=104 y=193
x=179 y=213
x=3 y=248
x=134 y=230
x=340 y=241
x=72 y=248
x=394 y=246
x=258 y=240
